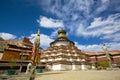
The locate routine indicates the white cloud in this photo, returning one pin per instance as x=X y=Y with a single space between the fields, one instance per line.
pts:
x=113 y=46
x=78 y=12
x=7 y=36
x=104 y=5
x=65 y=10
x=44 y=40
x=77 y=16
x=49 y=22
x=98 y=47
x=31 y=37
x=94 y=47
x=54 y=34
x=111 y=20
x=115 y=5
x=115 y=37
x=108 y=28
x=81 y=8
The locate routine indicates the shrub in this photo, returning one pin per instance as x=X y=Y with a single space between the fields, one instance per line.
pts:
x=102 y=64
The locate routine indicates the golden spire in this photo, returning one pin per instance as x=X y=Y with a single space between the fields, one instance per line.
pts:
x=61 y=33
x=38 y=33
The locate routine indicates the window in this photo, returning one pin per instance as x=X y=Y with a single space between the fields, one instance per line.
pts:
x=24 y=57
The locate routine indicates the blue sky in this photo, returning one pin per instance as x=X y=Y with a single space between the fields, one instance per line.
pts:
x=88 y=23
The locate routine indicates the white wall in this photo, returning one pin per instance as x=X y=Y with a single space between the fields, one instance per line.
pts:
x=61 y=43
x=73 y=67
x=69 y=67
x=1 y=54
x=66 y=67
x=78 y=67
x=85 y=67
x=56 y=67
x=61 y=67
x=49 y=67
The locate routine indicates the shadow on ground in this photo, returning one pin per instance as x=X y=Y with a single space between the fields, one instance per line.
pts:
x=51 y=73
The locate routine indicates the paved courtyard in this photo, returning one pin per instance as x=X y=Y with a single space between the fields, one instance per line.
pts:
x=80 y=75
x=70 y=75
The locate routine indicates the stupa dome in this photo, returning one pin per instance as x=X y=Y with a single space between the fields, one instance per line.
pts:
x=62 y=39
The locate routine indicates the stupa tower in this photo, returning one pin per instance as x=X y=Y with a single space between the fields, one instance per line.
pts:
x=64 y=55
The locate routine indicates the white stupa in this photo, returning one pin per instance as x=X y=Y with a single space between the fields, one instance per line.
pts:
x=64 y=55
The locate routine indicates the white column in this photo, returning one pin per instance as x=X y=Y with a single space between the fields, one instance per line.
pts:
x=93 y=67
x=82 y=66
x=73 y=66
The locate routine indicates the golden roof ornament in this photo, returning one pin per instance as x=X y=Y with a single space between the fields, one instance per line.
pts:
x=61 y=33
x=38 y=33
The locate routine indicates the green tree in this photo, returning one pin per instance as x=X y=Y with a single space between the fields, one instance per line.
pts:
x=103 y=64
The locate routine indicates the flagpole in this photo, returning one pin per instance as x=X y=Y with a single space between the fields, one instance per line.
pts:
x=35 y=51
x=107 y=55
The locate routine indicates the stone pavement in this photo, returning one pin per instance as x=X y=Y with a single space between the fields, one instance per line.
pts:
x=80 y=75
x=69 y=75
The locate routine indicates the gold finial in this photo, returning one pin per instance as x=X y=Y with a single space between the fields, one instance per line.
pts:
x=38 y=33
x=61 y=33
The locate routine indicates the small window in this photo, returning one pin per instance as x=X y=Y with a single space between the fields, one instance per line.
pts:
x=24 y=57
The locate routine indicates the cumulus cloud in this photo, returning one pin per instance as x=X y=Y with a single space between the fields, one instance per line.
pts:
x=44 y=40
x=81 y=16
x=114 y=37
x=75 y=9
x=98 y=47
x=111 y=20
x=86 y=18
x=7 y=36
x=68 y=8
x=93 y=47
x=113 y=46
x=108 y=28
x=103 y=6
x=50 y=23
x=31 y=37
x=54 y=33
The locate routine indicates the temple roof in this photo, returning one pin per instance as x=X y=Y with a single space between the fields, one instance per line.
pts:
x=1 y=39
x=111 y=52
x=24 y=43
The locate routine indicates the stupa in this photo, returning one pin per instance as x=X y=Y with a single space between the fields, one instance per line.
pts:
x=64 y=55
